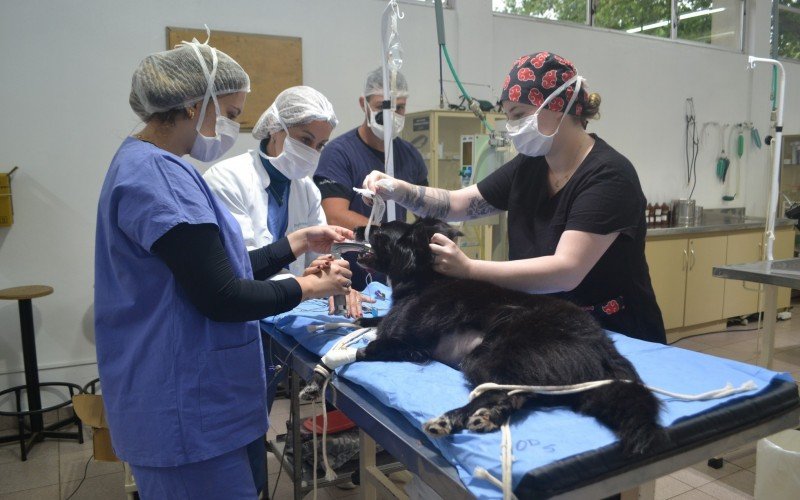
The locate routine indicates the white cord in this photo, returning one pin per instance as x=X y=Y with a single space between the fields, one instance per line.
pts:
x=342 y=344
x=585 y=386
x=378 y=209
x=507 y=459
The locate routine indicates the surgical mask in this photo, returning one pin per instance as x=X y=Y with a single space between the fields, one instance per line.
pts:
x=296 y=160
x=525 y=133
x=398 y=121
x=225 y=130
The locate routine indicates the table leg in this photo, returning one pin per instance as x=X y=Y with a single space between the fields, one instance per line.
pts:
x=366 y=459
x=770 y=319
x=31 y=365
x=297 y=455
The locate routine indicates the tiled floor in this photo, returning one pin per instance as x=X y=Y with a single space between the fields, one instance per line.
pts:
x=54 y=468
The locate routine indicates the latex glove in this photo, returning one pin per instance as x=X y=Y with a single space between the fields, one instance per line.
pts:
x=384 y=185
x=448 y=259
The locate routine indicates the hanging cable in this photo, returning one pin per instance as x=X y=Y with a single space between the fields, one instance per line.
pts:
x=692 y=144
x=441 y=81
x=473 y=105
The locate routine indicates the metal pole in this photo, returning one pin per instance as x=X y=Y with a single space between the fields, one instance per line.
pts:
x=31 y=365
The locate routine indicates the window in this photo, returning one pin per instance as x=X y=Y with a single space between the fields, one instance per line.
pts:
x=647 y=17
x=575 y=11
x=786 y=29
x=712 y=22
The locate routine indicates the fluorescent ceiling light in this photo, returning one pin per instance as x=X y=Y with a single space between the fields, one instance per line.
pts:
x=688 y=15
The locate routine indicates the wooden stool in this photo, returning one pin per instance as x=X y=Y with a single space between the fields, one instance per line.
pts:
x=35 y=431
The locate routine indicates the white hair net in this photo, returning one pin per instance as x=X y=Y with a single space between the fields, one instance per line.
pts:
x=374 y=84
x=296 y=106
x=175 y=79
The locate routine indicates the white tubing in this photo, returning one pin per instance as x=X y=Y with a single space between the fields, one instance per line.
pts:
x=506 y=458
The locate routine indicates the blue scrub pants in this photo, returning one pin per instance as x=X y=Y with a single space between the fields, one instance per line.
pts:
x=226 y=477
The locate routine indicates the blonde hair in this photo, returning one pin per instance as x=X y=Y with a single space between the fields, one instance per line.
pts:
x=591 y=109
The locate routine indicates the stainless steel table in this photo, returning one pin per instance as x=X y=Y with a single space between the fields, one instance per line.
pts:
x=772 y=274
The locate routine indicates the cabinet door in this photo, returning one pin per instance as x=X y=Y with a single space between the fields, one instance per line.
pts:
x=667 y=260
x=741 y=297
x=784 y=249
x=704 y=292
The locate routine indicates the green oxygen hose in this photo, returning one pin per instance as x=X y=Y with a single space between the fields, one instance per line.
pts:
x=774 y=95
x=473 y=104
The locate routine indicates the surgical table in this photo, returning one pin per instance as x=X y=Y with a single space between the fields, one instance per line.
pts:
x=595 y=473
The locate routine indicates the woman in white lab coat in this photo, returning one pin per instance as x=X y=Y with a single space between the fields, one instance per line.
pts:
x=269 y=190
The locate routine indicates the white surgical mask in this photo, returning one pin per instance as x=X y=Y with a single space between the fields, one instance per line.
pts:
x=225 y=130
x=398 y=121
x=296 y=160
x=525 y=133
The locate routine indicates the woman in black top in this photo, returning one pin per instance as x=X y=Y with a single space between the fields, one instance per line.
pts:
x=576 y=224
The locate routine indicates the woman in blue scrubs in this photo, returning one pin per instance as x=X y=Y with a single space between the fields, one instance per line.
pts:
x=178 y=296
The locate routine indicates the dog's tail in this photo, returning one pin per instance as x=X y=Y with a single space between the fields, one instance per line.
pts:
x=631 y=411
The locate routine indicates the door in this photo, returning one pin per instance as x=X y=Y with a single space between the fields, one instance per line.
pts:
x=741 y=297
x=704 y=293
x=667 y=260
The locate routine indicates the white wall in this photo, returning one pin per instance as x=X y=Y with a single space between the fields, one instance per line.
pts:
x=66 y=78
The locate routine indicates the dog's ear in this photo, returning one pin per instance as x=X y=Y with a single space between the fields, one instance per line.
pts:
x=359 y=233
x=434 y=226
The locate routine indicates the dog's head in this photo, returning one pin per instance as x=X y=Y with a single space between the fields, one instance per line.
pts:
x=400 y=250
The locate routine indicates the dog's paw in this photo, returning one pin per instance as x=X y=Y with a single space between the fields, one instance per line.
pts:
x=310 y=392
x=438 y=427
x=480 y=421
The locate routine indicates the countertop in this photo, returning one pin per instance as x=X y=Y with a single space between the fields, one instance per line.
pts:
x=784 y=273
x=717 y=224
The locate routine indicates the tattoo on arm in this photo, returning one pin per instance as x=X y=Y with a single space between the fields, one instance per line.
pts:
x=427 y=201
x=478 y=207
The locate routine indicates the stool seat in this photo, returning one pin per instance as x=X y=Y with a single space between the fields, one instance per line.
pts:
x=25 y=292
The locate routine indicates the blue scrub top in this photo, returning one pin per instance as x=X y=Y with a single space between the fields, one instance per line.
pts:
x=178 y=388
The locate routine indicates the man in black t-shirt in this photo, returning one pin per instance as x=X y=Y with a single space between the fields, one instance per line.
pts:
x=575 y=207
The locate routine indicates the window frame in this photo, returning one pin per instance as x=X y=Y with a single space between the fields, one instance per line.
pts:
x=777 y=7
x=446 y=4
x=591 y=8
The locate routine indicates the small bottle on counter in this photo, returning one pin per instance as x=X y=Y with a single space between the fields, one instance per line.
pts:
x=649 y=215
x=665 y=215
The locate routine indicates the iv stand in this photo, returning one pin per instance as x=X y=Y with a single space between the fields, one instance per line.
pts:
x=771 y=291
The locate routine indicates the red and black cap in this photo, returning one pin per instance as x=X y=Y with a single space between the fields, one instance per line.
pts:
x=534 y=77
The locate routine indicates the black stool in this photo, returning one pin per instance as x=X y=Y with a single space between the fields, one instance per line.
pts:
x=35 y=431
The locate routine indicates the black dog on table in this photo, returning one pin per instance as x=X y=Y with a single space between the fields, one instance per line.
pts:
x=503 y=336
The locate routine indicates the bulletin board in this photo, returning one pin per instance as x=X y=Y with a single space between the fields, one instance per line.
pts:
x=274 y=63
